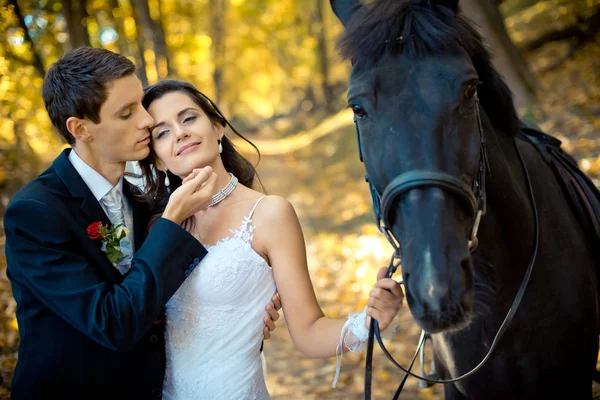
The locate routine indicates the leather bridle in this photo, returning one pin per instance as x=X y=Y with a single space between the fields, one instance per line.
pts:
x=475 y=199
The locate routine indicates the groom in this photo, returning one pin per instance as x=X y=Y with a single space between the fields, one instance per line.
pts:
x=90 y=299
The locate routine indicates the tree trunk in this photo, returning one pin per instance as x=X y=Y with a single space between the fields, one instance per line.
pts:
x=152 y=32
x=122 y=42
x=320 y=32
x=143 y=26
x=141 y=61
x=37 y=61
x=76 y=15
x=217 y=9
x=160 y=45
x=506 y=57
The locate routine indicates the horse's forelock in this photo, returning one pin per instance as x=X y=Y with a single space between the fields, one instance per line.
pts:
x=418 y=28
x=389 y=27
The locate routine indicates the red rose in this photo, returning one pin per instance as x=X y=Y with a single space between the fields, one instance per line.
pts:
x=93 y=230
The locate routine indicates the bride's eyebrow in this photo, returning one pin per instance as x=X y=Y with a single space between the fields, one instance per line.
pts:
x=157 y=125
x=186 y=110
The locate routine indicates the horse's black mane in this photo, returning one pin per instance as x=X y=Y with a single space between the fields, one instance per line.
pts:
x=418 y=28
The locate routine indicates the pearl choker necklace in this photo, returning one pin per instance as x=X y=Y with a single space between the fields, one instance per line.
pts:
x=226 y=191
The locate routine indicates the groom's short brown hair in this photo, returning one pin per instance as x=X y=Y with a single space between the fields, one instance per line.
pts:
x=75 y=86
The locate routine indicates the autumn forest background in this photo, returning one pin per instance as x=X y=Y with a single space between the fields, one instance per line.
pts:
x=272 y=67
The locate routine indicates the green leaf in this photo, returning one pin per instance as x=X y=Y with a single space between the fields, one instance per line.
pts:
x=113 y=254
x=102 y=231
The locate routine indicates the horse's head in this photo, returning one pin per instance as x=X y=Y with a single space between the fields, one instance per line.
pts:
x=417 y=66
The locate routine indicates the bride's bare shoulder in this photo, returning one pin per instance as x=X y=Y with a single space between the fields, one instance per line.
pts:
x=275 y=218
x=276 y=207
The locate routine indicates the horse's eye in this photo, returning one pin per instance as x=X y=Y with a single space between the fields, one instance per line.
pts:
x=471 y=91
x=359 y=111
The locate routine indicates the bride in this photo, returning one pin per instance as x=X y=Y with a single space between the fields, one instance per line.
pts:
x=255 y=249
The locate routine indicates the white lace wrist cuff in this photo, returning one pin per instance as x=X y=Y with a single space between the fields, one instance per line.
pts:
x=354 y=334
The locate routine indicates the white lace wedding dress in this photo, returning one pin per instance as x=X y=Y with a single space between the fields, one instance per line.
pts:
x=215 y=324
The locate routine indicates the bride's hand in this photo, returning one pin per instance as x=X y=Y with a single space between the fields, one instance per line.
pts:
x=385 y=300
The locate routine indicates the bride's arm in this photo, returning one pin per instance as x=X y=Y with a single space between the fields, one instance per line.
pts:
x=313 y=334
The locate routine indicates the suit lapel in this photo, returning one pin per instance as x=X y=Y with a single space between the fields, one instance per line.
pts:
x=91 y=211
x=79 y=190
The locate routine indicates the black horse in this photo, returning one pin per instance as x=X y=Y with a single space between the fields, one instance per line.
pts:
x=427 y=98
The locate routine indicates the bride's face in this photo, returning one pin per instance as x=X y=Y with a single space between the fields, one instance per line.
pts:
x=183 y=137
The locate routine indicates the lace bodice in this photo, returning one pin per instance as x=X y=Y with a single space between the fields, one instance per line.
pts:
x=215 y=323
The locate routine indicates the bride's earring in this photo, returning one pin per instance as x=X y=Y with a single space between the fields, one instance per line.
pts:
x=167 y=181
x=220 y=146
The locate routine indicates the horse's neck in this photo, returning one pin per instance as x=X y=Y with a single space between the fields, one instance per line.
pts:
x=506 y=233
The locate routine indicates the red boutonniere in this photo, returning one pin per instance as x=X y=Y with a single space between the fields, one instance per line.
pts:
x=112 y=238
x=93 y=230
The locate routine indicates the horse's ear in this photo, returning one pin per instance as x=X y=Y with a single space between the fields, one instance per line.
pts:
x=451 y=4
x=345 y=9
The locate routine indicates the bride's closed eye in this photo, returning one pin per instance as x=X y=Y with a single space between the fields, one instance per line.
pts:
x=162 y=133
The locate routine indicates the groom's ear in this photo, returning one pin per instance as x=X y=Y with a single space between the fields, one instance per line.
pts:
x=76 y=127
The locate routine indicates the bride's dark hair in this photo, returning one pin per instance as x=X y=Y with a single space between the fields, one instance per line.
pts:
x=156 y=193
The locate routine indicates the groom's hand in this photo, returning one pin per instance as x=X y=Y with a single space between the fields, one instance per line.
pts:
x=385 y=300
x=192 y=175
x=194 y=194
x=273 y=310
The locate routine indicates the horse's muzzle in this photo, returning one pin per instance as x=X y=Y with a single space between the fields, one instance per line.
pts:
x=436 y=263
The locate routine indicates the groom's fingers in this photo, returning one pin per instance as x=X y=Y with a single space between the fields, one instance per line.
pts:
x=191 y=176
x=269 y=323
x=276 y=302
x=201 y=177
x=273 y=313
x=204 y=186
x=266 y=333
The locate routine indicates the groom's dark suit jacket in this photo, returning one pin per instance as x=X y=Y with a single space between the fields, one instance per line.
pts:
x=88 y=332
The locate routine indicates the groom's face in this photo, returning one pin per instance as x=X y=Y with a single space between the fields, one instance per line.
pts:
x=122 y=133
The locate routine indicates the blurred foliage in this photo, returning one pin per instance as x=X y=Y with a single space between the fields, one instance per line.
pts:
x=275 y=70
x=272 y=68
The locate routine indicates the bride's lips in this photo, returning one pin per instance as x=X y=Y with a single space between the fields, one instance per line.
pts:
x=187 y=147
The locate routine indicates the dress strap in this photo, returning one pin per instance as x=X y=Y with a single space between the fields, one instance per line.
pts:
x=253 y=209
x=246 y=231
